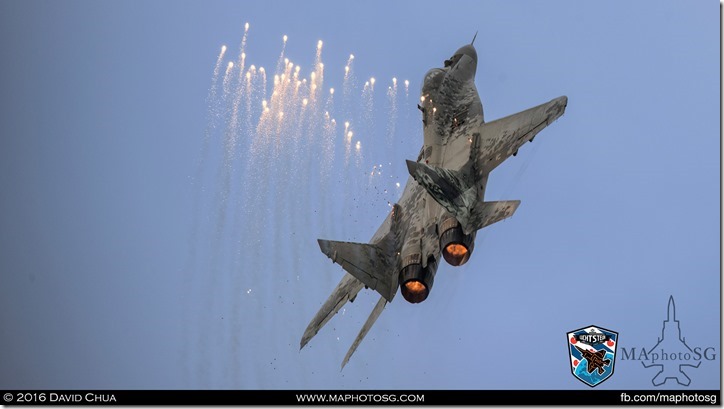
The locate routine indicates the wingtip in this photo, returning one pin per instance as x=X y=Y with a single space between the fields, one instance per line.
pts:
x=324 y=246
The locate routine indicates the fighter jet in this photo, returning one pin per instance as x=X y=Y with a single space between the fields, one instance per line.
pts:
x=596 y=359
x=441 y=207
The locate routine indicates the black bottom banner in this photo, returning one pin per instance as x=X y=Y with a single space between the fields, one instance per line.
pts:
x=361 y=397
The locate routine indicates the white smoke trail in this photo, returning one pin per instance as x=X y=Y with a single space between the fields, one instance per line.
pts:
x=211 y=98
x=213 y=117
x=327 y=139
x=392 y=103
x=231 y=137
x=347 y=136
x=277 y=153
x=281 y=55
x=248 y=89
x=243 y=38
x=349 y=84
x=226 y=83
x=368 y=103
x=358 y=154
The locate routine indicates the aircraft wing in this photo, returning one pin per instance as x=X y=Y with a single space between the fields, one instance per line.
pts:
x=499 y=139
x=372 y=265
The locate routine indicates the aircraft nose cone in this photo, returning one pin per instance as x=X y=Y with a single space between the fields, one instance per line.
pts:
x=468 y=50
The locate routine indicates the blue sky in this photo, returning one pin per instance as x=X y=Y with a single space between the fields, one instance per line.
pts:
x=146 y=243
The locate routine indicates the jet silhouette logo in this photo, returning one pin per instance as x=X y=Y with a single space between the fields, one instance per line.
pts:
x=592 y=353
x=671 y=349
x=671 y=355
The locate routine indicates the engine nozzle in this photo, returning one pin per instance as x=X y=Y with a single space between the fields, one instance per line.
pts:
x=456 y=246
x=415 y=291
x=456 y=254
x=416 y=282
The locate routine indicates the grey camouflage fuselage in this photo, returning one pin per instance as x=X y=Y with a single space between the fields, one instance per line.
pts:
x=441 y=207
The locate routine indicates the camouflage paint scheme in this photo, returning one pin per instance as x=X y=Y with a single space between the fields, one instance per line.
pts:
x=445 y=190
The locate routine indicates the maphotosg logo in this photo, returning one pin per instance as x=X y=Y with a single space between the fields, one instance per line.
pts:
x=592 y=351
x=671 y=355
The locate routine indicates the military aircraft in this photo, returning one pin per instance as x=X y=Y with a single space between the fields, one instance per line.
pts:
x=441 y=207
x=596 y=359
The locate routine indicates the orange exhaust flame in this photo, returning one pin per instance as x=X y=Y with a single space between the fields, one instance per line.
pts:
x=414 y=291
x=456 y=254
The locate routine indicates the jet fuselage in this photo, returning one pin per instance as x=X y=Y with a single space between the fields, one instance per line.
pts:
x=441 y=207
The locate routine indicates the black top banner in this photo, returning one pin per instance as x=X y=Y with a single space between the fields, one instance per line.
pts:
x=361 y=397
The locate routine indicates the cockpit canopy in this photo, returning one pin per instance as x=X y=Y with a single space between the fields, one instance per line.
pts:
x=432 y=81
x=466 y=70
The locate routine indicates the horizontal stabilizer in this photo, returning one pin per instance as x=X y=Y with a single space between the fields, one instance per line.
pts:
x=365 y=329
x=486 y=213
x=368 y=263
